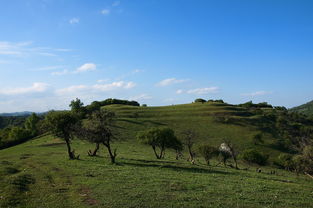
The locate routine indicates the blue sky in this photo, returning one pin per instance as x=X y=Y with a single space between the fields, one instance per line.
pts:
x=158 y=52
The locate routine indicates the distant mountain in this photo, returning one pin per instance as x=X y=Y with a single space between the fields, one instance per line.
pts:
x=24 y=113
x=306 y=109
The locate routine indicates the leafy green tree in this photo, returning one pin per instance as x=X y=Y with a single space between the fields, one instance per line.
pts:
x=31 y=124
x=258 y=139
x=98 y=128
x=159 y=138
x=208 y=152
x=200 y=100
x=61 y=124
x=19 y=134
x=77 y=107
x=254 y=156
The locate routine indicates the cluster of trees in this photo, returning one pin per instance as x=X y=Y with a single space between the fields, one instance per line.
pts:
x=161 y=138
x=14 y=135
x=299 y=163
x=6 y=121
x=96 y=128
x=200 y=100
x=250 y=104
x=83 y=111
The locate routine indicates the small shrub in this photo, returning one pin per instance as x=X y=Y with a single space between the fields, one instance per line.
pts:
x=208 y=152
x=254 y=156
x=22 y=182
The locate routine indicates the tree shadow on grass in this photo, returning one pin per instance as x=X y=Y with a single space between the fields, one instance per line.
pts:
x=178 y=168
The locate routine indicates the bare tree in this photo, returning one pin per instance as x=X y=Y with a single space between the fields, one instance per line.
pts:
x=189 y=137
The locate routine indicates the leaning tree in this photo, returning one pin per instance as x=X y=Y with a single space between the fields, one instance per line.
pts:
x=61 y=124
x=160 y=138
x=98 y=129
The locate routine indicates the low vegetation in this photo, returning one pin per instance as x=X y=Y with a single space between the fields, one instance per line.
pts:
x=200 y=144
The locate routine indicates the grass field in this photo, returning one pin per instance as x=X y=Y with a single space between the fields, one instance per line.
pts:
x=39 y=174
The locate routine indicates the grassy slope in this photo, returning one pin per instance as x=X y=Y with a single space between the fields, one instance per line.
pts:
x=38 y=173
x=198 y=117
x=305 y=108
x=138 y=180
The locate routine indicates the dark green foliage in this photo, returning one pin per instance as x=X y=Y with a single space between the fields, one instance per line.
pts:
x=98 y=129
x=258 y=139
x=78 y=108
x=7 y=121
x=61 y=124
x=200 y=100
x=254 y=156
x=306 y=109
x=208 y=152
x=250 y=104
x=31 y=124
x=284 y=161
x=161 y=138
x=96 y=105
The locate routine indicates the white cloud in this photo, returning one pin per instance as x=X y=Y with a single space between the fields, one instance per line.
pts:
x=170 y=81
x=202 y=91
x=59 y=73
x=102 y=80
x=36 y=87
x=135 y=71
x=105 y=11
x=96 y=88
x=258 y=93
x=49 y=68
x=116 y=3
x=71 y=89
x=179 y=91
x=86 y=67
x=26 y=48
x=114 y=85
x=9 y=48
x=141 y=97
x=74 y=20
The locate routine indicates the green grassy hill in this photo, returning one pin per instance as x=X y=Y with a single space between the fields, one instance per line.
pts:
x=38 y=173
x=202 y=118
x=306 y=109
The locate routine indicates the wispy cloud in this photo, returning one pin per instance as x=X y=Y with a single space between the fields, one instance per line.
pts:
x=86 y=67
x=140 y=97
x=83 y=68
x=170 y=81
x=37 y=87
x=199 y=91
x=202 y=91
x=105 y=11
x=59 y=73
x=27 y=48
x=96 y=88
x=74 y=20
x=257 y=93
x=49 y=68
x=116 y=3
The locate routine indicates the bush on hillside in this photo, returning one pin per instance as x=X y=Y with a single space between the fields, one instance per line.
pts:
x=200 y=100
x=208 y=152
x=254 y=156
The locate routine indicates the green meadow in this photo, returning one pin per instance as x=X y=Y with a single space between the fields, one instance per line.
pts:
x=38 y=173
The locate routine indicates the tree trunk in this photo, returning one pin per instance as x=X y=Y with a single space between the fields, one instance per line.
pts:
x=156 y=154
x=191 y=159
x=94 y=153
x=69 y=151
x=112 y=154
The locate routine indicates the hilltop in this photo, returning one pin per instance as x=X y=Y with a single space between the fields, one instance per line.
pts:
x=306 y=109
x=38 y=173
